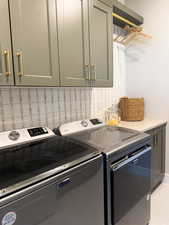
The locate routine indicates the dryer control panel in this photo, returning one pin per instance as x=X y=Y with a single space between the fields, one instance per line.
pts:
x=81 y=125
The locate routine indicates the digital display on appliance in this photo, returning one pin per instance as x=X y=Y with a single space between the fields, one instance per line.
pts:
x=37 y=131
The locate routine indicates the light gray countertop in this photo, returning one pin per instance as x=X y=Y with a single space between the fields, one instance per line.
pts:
x=142 y=126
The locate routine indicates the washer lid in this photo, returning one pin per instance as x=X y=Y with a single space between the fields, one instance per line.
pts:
x=108 y=138
x=32 y=162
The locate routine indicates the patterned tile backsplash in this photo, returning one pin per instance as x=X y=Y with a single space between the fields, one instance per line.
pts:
x=27 y=107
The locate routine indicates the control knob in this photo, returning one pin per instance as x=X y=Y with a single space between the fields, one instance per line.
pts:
x=84 y=123
x=14 y=135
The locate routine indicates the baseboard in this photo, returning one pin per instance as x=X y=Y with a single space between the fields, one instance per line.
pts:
x=166 y=179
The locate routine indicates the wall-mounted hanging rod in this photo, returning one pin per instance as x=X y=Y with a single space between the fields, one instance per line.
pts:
x=124 y=15
x=124 y=20
x=132 y=29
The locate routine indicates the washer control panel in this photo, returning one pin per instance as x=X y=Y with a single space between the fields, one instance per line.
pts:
x=21 y=136
x=78 y=126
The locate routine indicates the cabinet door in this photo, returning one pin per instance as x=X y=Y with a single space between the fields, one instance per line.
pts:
x=6 y=70
x=158 y=155
x=101 y=44
x=73 y=42
x=34 y=32
x=163 y=133
x=161 y=152
x=157 y=158
x=154 y=159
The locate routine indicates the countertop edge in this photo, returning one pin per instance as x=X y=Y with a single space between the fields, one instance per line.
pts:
x=143 y=126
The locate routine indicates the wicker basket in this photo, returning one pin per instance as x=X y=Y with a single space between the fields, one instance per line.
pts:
x=131 y=109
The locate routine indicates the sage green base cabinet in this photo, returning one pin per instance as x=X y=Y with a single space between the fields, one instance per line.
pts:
x=6 y=70
x=34 y=35
x=158 y=155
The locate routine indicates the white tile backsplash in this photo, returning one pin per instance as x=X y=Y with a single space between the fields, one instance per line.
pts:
x=49 y=106
x=24 y=107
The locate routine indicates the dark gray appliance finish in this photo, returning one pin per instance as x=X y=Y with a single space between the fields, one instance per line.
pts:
x=29 y=163
x=72 y=197
x=115 y=142
x=130 y=185
x=119 y=143
x=158 y=155
x=49 y=180
x=127 y=158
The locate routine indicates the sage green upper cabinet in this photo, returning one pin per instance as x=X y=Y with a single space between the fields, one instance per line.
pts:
x=107 y=2
x=85 y=42
x=35 y=48
x=101 y=44
x=56 y=43
x=6 y=70
x=73 y=33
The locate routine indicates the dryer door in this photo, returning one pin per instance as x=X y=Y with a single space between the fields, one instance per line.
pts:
x=130 y=189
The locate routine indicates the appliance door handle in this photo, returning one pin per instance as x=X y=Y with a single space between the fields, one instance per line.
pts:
x=134 y=158
x=64 y=182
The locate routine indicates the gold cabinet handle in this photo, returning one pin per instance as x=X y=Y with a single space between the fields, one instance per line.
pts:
x=93 y=72
x=87 y=72
x=20 y=63
x=6 y=55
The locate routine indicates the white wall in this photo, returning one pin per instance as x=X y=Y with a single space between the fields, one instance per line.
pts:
x=148 y=61
x=98 y=104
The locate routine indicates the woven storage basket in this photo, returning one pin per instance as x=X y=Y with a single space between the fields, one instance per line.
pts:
x=131 y=109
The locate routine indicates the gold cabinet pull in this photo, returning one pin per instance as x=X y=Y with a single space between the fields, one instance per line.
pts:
x=7 y=62
x=87 y=72
x=93 y=72
x=20 y=63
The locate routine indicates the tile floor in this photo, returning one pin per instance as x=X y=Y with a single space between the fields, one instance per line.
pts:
x=160 y=206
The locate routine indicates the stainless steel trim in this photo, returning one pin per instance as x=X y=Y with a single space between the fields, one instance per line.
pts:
x=118 y=165
x=38 y=178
